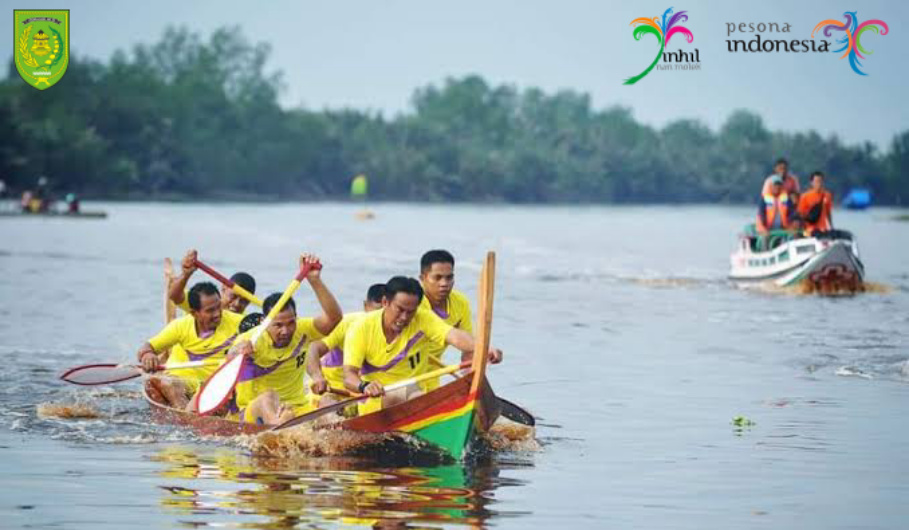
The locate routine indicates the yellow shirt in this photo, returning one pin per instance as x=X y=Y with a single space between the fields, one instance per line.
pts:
x=180 y=336
x=178 y=355
x=333 y=361
x=365 y=348
x=457 y=311
x=278 y=369
x=457 y=315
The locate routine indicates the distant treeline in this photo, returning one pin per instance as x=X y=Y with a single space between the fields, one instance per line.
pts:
x=195 y=118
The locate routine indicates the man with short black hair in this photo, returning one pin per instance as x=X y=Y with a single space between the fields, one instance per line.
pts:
x=789 y=180
x=437 y=278
x=390 y=345
x=375 y=295
x=816 y=206
x=271 y=387
x=206 y=333
x=230 y=300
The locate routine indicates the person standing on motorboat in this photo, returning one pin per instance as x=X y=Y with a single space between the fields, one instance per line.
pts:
x=775 y=212
x=789 y=179
x=816 y=206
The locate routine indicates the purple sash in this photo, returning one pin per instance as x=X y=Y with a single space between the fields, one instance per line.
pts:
x=250 y=370
x=334 y=359
x=202 y=355
x=370 y=369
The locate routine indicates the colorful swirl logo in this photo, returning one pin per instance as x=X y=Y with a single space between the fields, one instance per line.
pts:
x=851 y=41
x=663 y=30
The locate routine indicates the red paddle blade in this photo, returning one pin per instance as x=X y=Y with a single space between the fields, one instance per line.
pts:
x=217 y=389
x=100 y=374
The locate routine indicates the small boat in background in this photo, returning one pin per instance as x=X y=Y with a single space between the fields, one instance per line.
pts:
x=55 y=215
x=827 y=263
x=857 y=199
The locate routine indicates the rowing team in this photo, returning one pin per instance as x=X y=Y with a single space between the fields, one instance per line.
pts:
x=402 y=332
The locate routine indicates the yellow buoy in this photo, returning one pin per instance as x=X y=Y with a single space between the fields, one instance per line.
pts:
x=359 y=187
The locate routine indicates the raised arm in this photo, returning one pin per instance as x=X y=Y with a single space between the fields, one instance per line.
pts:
x=331 y=311
x=178 y=285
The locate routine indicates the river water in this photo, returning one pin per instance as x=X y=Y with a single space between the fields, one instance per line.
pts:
x=620 y=333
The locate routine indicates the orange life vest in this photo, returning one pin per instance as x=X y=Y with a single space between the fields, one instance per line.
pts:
x=771 y=206
x=822 y=202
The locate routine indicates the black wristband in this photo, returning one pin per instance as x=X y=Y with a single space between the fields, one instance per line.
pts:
x=362 y=387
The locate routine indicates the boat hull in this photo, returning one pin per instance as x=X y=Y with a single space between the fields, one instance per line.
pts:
x=201 y=425
x=56 y=215
x=824 y=265
x=450 y=418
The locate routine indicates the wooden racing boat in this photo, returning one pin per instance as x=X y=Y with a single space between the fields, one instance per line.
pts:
x=451 y=417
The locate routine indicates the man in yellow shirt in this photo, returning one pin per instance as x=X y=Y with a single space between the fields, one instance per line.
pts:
x=271 y=387
x=325 y=360
x=390 y=345
x=437 y=279
x=230 y=300
x=206 y=333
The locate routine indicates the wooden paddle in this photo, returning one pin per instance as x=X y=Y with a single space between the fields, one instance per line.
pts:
x=170 y=310
x=217 y=389
x=318 y=413
x=105 y=374
x=485 y=293
x=226 y=281
x=510 y=410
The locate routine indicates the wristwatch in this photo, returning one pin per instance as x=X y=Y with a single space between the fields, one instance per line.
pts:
x=362 y=387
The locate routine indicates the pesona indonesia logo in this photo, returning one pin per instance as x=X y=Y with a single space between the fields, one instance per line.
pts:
x=850 y=41
x=777 y=37
x=663 y=29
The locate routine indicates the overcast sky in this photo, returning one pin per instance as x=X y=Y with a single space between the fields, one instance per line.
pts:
x=373 y=54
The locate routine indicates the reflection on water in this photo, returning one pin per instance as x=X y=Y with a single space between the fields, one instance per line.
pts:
x=224 y=488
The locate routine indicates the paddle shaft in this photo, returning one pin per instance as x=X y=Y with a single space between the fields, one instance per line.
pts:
x=114 y=373
x=170 y=310
x=226 y=281
x=484 y=321
x=309 y=416
x=188 y=364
